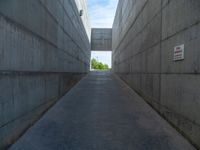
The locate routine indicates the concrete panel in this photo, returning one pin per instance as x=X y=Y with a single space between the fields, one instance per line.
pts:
x=24 y=94
x=101 y=39
x=44 y=51
x=144 y=36
x=180 y=102
x=190 y=38
x=105 y=115
x=82 y=5
x=187 y=14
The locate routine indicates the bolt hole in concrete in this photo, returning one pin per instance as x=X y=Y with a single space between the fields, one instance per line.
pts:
x=101 y=60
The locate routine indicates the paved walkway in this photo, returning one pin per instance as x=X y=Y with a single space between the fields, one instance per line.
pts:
x=101 y=113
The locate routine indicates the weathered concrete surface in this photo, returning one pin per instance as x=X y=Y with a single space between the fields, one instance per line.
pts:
x=101 y=39
x=82 y=5
x=101 y=113
x=145 y=33
x=44 y=50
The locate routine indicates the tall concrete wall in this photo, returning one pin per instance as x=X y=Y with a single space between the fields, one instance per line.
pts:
x=44 y=51
x=145 y=33
x=82 y=5
x=101 y=39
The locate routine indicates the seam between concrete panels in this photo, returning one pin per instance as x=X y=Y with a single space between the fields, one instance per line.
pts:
x=133 y=23
x=79 y=19
x=49 y=103
x=53 y=17
x=132 y=39
x=142 y=51
x=146 y=97
x=178 y=114
x=62 y=27
x=157 y=43
x=25 y=29
x=47 y=10
x=119 y=51
x=75 y=10
x=26 y=113
x=180 y=31
x=160 y=76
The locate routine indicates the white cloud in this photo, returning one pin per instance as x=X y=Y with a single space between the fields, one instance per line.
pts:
x=102 y=12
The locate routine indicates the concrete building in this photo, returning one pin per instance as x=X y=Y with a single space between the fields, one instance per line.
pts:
x=44 y=50
x=145 y=34
x=101 y=39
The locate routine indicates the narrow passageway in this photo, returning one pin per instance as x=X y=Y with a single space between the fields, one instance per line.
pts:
x=101 y=113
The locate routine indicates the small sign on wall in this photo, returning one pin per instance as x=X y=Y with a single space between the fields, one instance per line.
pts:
x=179 y=52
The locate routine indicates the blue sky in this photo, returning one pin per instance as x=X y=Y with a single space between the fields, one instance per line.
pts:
x=102 y=13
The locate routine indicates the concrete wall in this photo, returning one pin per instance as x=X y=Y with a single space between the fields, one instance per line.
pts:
x=101 y=39
x=145 y=33
x=44 y=51
x=82 y=5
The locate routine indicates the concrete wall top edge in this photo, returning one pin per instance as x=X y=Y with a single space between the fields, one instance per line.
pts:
x=82 y=5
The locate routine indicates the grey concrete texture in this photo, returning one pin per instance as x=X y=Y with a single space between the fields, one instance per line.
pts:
x=82 y=5
x=101 y=39
x=54 y=32
x=44 y=51
x=24 y=98
x=105 y=115
x=145 y=33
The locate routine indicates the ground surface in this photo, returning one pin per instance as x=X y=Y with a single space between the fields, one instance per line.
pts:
x=101 y=113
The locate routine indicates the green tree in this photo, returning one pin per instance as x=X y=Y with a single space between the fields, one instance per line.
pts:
x=94 y=64
x=98 y=65
x=106 y=66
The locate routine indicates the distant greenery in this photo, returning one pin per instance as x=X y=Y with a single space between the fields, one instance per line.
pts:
x=98 y=65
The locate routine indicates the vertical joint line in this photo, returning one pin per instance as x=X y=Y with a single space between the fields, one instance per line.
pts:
x=160 y=76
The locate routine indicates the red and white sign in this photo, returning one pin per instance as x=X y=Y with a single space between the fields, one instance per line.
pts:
x=179 y=52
